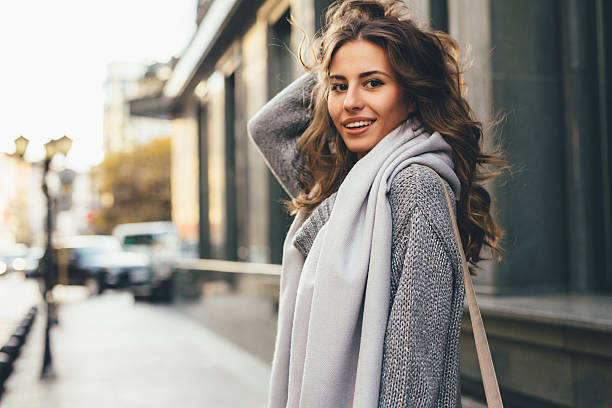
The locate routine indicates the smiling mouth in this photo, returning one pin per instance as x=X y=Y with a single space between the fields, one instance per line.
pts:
x=359 y=124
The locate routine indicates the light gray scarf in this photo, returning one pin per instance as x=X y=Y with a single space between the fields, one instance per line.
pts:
x=334 y=304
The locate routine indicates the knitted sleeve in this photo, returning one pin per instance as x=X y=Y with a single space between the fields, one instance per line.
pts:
x=420 y=357
x=276 y=128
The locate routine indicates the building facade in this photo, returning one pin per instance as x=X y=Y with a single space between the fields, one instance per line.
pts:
x=545 y=66
x=21 y=203
x=125 y=82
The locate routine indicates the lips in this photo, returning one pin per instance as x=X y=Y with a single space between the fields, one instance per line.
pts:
x=357 y=124
x=354 y=119
x=361 y=123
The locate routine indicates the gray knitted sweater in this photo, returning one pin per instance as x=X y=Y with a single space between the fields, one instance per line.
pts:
x=421 y=348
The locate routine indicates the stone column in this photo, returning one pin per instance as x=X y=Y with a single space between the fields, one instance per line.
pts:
x=527 y=87
x=469 y=23
x=582 y=127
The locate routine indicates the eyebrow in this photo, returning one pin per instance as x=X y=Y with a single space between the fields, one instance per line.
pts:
x=362 y=75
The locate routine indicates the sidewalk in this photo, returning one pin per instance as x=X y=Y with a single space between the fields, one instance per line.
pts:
x=111 y=352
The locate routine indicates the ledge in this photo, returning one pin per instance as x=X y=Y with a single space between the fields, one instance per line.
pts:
x=208 y=31
x=582 y=311
x=153 y=107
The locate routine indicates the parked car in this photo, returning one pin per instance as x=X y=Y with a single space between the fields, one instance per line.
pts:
x=13 y=258
x=159 y=242
x=119 y=269
x=99 y=262
x=32 y=260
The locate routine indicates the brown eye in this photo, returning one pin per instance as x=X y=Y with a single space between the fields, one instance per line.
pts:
x=338 y=87
x=373 y=83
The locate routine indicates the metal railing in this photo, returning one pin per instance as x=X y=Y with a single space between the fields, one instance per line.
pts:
x=216 y=265
x=191 y=274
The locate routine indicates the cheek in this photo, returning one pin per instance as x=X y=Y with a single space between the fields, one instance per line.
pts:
x=403 y=103
x=394 y=108
x=332 y=108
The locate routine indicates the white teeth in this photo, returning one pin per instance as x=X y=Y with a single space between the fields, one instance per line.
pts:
x=359 y=124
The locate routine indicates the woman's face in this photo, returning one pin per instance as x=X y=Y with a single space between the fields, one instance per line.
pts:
x=365 y=101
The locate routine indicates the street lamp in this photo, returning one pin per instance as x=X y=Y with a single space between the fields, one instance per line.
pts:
x=21 y=144
x=50 y=149
x=53 y=147
x=64 y=144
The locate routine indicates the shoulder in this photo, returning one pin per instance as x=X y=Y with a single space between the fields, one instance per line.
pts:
x=417 y=186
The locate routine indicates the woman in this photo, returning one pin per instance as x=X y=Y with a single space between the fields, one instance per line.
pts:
x=372 y=286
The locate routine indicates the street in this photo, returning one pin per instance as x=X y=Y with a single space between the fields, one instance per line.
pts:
x=109 y=351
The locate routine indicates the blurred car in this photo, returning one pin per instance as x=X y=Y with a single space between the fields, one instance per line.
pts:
x=119 y=269
x=99 y=262
x=32 y=260
x=158 y=240
x=13 y=258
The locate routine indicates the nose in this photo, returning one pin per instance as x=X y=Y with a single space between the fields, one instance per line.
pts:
x=353 y=100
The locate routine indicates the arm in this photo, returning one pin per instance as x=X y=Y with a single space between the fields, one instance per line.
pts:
x=276 y=128
x=418 y=366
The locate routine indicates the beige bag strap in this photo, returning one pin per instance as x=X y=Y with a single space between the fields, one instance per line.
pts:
x=489 y=379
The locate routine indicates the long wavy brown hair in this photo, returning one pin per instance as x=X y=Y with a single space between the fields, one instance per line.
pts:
x=425 y=63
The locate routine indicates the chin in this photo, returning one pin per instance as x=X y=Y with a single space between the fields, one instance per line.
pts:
x=360 y=152
x=360 y=148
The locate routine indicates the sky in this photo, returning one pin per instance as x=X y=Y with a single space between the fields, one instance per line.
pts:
x=53 y=63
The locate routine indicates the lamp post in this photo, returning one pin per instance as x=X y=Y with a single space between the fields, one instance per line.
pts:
x=53 y=147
